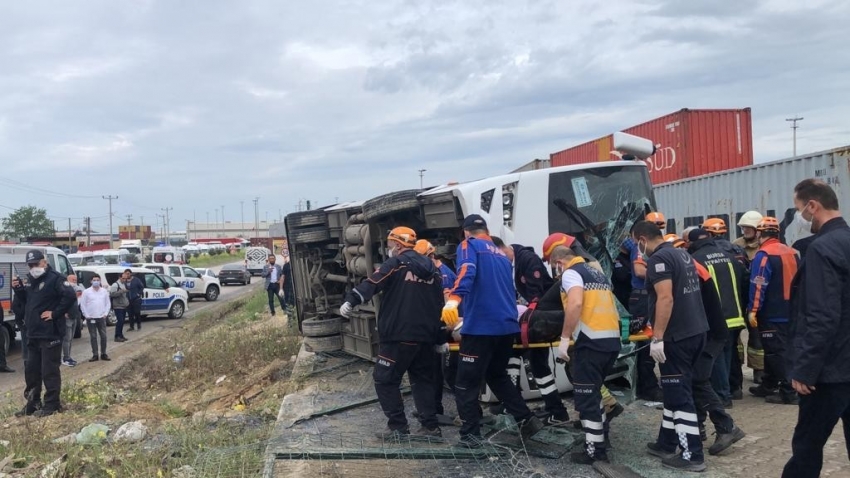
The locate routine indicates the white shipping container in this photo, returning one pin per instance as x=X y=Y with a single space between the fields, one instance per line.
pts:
x=766 y=187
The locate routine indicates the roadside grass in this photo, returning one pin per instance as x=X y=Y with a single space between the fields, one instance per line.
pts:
x=210 y=410
x=217 y=260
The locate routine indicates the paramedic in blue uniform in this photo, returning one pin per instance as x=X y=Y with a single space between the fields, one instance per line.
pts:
x=532 y=280
x=679 y=323
x=485 y=286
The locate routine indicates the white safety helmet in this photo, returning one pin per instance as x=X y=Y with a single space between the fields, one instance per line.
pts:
x=750 y=219
x=688 y=231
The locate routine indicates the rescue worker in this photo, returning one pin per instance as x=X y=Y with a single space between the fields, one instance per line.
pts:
x=485 y=286
x=750 y=243
x=706 y=400
x=532 y=281
x=44 y=301
x=447 y=276
x=679 y=330
x=408 y=329
x=773 y=269
x=718 y=230
x=647 y=382
x=748 y=240
x=658 y=219
x=731 y=280
x=820 y=330
x=621 y=277
x=592 y=319
x=552 y=300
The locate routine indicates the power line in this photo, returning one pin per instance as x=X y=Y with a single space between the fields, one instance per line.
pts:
x=26 y=187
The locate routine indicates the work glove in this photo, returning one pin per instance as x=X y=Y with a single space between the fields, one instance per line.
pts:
x=754 y=323
x=441 y=349
x=563 y=349
x=345 y=310
x=281 y=294
x=450 y=316
x=656 y=351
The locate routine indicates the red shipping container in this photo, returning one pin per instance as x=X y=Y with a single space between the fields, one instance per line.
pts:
x=689 y=143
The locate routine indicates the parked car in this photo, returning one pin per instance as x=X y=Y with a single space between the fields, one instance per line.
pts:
x=207 y=273
x=160 y=298
x=190 y=279
x=234 y=274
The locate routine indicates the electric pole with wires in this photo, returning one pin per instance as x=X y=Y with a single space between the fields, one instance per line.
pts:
x=110 y=198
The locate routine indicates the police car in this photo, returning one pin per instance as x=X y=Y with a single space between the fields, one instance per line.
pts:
x=159 y=298
x=192 y=281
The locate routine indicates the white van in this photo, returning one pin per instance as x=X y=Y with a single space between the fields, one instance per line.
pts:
x=255 y=259
x=81 y=258
x=168 y=255
x=13 y=263
x=196 y=284
x=159 y=297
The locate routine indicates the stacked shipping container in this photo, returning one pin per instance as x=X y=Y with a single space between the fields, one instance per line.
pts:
x=766 y=187
x=689 y=143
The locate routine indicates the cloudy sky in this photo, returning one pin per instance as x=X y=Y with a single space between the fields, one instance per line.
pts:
x=196 y=105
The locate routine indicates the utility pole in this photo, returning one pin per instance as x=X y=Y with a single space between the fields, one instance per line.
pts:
x=129 y=219
x=256 y=217
x=208 y=225
x=794 y=127
x=88 y=231
x=216 y=222
x=223 y=227
x=167 y=224
x=242 y=216
x=195 y=223
x=142 y=220
x=422 y=178
x=110 y=198
x=69 y=235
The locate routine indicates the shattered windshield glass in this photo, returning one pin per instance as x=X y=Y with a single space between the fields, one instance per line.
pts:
x=598 y=206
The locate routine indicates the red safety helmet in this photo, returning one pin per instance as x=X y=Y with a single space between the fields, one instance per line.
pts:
x=555 y=240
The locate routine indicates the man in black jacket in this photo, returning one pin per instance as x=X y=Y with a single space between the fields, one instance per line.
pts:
x=820 y=330
x=732 y=284
x=45 y=300
x=532 y=281
x=408 y=328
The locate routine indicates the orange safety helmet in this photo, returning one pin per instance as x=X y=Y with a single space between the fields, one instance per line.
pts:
x=424 y=247
x=555 y=240
x=404 y=236
x=768 y=223
x=657 y=218
x=715 y=225
x=675 y=240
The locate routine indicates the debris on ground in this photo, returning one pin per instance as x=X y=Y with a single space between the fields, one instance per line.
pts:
x=92 y=434
x=131 y=432
x=54 y=469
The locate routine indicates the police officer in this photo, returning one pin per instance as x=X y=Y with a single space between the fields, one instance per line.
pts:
x=679 y=327
x=591 y=318
x=44 y=300
x=731 y=280
x=485 y=286
x=408 y=328
x=532 y=280
x=773 y=268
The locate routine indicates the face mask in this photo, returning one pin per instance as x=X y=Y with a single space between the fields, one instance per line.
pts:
x=559 y=269
x=642 y=250
x=805 y=223
x=392 y=252
x=37 y=272
x=95 y=284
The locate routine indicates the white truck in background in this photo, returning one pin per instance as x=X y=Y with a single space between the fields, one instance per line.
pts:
x=13 y=263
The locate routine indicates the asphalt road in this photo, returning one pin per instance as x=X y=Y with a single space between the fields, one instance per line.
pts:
x=120 y=352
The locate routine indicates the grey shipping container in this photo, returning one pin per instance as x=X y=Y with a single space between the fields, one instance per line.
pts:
x=533 y=165
x=765 y=187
